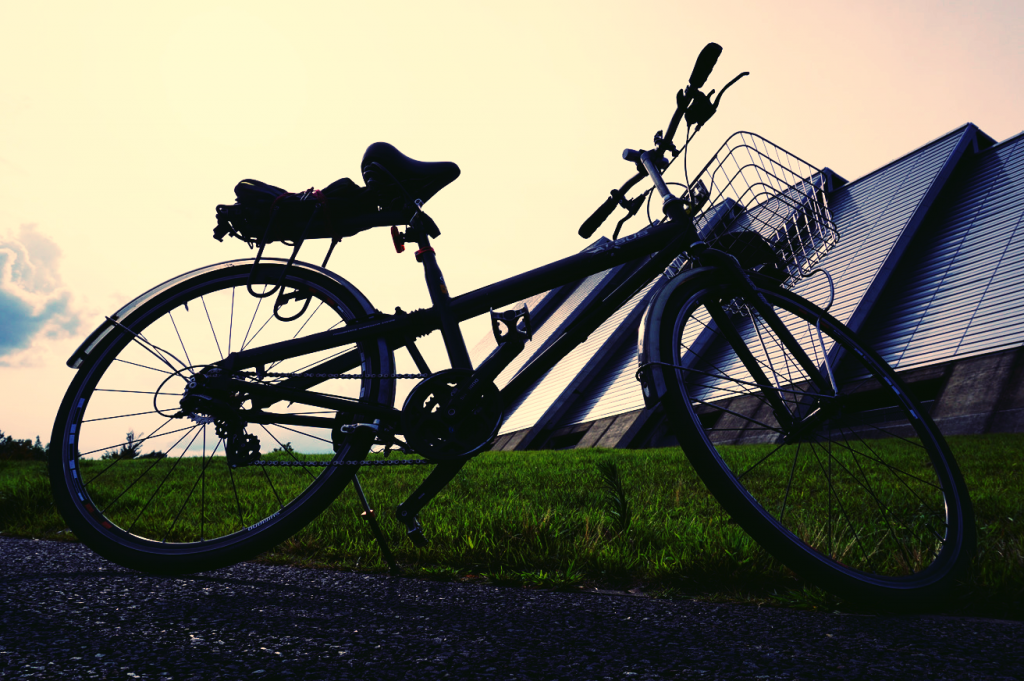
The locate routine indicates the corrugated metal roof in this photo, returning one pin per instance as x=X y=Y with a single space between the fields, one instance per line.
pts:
x=614 y=392
x=532 y=404
x=872 y=214
x=876 y=217
x=552 y=393
x=958 y=293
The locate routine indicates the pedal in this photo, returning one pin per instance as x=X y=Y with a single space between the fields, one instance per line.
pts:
x=414 y=531
x=505 y=325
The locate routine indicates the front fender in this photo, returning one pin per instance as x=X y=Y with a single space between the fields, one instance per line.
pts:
x=652 y=376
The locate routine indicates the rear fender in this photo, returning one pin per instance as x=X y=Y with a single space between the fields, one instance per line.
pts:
x=102 y=332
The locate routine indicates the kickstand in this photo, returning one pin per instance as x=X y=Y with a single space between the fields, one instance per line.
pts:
x=375 y=528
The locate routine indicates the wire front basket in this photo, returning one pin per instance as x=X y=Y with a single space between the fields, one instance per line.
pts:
x=766 y=190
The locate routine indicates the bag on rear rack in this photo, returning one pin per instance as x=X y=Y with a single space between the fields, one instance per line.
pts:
x=263 y=213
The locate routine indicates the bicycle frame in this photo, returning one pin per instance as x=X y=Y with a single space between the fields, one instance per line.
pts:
x=664 y=241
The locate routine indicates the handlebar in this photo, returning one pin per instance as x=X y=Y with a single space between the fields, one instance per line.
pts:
x=605 y=209
x=588 y=228
x=702 y=68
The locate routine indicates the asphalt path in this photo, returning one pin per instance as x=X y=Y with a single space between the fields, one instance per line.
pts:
x=66 y=613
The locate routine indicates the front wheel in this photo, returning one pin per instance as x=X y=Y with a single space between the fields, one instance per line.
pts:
x=812 y=444
x=143 y=478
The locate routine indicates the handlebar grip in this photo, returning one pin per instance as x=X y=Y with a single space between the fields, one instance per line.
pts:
x=706 y=61
x=600 y=215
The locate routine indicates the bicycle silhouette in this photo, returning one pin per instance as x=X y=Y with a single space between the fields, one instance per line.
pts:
x=807 y=438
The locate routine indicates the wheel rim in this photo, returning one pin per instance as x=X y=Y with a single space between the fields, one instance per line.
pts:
x=190 y=500
x=859 y=484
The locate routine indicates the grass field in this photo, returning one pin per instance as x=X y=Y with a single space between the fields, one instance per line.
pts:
x=553 y=520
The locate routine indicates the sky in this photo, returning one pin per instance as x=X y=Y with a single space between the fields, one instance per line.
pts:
x=125 y=124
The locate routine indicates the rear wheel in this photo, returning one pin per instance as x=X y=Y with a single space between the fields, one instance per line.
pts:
x=145 y=481
x=846 y=480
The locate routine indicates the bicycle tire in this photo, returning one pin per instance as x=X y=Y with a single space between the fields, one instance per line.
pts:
x=189 y=511
x=860 y=493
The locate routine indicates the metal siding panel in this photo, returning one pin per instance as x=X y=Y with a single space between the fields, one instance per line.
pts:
x=610 y=395
x=962 y=282
x=874 y=215
x=550 y=386
x=955 y=301
x=487 y=344
x=567 y=310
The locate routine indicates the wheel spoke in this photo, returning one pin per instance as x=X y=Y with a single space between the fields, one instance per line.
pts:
x=164 y=480
x=287 y=450
x=142 y=439
x=143 y=366
x=212 y=330
x=185 y=499
x=858 y=474
x=200 y=478
x=259 y=302
x=188 y=359
x=113 y=503
x=789 y=484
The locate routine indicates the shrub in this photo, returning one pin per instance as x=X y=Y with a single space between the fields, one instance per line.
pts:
x=130 y=448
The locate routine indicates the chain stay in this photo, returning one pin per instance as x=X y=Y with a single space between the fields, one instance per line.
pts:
x=275 y=374
x=326 y=464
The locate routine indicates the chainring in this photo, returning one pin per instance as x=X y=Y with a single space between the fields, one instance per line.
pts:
x=439 y=425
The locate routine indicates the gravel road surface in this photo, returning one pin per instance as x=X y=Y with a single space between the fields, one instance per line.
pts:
x=66 y=613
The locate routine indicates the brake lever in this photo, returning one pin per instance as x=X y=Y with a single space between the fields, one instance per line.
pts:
x=632 y=207
x=727 y=86
x=701 y=108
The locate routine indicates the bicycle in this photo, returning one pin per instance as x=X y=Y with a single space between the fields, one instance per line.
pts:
x=809 y=440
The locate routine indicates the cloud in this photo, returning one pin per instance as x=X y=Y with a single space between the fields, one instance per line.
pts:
x=34 y=303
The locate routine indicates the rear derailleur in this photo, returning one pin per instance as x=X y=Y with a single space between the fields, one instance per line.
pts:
x=240 y=447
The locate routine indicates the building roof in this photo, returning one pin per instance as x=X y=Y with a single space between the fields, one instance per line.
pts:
x=960 y=290
x=938 y=230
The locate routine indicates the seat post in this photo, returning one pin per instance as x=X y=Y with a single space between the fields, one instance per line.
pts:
x=454 y=343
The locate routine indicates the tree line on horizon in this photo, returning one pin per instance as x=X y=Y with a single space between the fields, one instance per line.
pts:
x=21 y=450
x=27 y=450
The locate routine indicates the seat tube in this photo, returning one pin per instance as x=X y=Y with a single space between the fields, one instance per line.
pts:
x=454 y=343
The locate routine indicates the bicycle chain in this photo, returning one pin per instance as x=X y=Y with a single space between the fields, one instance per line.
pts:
x=276 y=374
x=326 y=464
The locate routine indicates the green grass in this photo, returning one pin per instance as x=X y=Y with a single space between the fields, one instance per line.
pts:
x=550 y=519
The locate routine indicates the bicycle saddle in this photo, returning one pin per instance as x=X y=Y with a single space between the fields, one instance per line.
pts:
x=420 y=180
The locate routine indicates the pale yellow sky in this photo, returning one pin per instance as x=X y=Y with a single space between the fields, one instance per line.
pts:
x=124 y=124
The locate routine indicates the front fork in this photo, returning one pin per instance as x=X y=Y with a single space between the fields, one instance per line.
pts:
x=823 y=384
